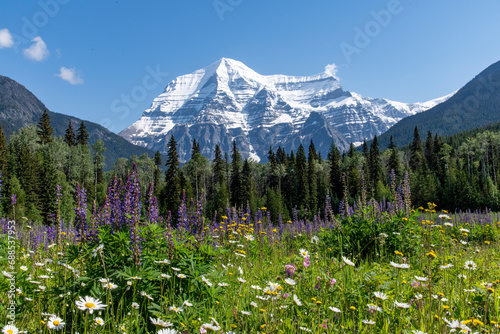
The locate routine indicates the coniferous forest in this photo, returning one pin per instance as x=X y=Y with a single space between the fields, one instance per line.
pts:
x=458 y=172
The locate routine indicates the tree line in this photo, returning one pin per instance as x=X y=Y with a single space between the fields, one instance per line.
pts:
x=455 y=175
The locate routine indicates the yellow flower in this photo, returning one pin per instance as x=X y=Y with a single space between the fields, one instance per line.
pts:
x=352 y=308
x=398 y=253
x=487 y=242
x=446 y=307
x=234 y=326
x=440 y=294
x=431 y=255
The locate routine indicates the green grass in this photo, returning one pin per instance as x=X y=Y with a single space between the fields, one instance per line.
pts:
x=229 y=300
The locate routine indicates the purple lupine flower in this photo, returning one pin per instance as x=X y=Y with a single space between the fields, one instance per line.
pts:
x=13 y=199
x=81 y=213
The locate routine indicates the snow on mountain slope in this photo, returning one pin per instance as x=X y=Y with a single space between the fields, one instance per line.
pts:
x=227 y=100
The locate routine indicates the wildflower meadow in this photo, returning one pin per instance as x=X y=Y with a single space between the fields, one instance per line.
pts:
x=377 y=267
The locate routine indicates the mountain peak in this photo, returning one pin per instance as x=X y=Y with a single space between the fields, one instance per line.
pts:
x=228 y=101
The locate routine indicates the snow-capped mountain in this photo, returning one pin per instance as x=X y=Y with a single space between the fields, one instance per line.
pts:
x=227 y=100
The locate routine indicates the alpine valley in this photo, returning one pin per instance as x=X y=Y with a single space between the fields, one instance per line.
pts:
x=228 y=101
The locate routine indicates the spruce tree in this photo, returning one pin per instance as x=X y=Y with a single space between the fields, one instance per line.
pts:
x=335 y=173
x=429 y=152
x=70 y=137
x=393 y=163
x=246 y=184
x=416 y=152
x=236 y=197
x=311 y=178
x=44 y=129
x=171 y=194
x=273 y=165
x=302 y=179
x=218 y=166
x=196 y=148
x=82 y=135
x=374 y=169
x=281 y=157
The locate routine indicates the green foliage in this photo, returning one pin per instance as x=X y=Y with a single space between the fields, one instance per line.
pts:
x=44 y=129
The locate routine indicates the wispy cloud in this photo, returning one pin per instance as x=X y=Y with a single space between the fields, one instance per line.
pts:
x=70 y=75
x=6 y=40
x=332 y=70
x=38 y=50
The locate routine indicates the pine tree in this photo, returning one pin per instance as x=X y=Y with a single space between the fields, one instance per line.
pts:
x=352 y=150
x=44 y=129
x=171 y=194
x=374 y=164
x=311 y=178
x=246 y=184
x=273 y=165
x=393 y=163
x=236 y=197
x=82 y=135
x=302 y=180
x=70 y=137
x=281 y=157
x=196 y=148
x=335 y=173
x=28 y=174
x=3 y=152
x=429 y=152
x=218 y=166
x=416 y=152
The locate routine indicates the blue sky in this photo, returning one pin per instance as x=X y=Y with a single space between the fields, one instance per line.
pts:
x=106 y=50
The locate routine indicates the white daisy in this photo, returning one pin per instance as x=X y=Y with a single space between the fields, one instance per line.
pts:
x=175 y=309
x=303 y=253
x=296 y=300
x=206 y=281
x=99 y=321
x=380 y=295
x=334 y=309
x=89 y=303
x=471 y=265
x=401 y=305
x=347 y=261
x=290 y=281
x=55 y=323
x=9 y=329
x=160 y=323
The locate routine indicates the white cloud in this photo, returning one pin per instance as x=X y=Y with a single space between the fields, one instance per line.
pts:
x=38 y=50
x=6 y=40
x=70 y=75
x=332 y=70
